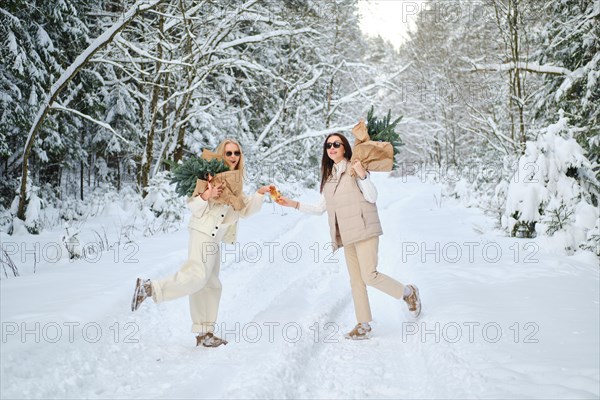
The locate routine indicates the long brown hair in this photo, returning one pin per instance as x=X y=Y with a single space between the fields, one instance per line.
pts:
x=221 y=151
x=327 y=163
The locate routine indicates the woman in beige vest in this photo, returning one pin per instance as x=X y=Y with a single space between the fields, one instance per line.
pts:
x=210 y=224
x=354 y=224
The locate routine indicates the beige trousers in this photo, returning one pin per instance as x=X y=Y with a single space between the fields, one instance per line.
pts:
x=361 y=258
x=198 y=278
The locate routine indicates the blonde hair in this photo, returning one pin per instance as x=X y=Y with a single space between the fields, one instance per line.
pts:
x=221 y=151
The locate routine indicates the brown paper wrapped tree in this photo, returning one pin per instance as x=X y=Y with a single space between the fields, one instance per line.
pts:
x=232 y=183
x=376 y=143
x=193 y=174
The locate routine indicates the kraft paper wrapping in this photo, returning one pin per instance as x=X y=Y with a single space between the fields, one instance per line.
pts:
x=374 y=156
x=231 y=181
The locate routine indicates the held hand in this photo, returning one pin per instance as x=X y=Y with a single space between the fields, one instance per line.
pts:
x=284 y=201
x=211 y=192
x=358 y=168
x=216 y=191
x=263 y=189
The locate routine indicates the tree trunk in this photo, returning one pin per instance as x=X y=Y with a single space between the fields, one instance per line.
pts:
x=118 y=160
x=517 y=86
x=81 y=171
x=154 y=110
x=178 y=155
x=164 y=135
x=81 y=180
x=331 y=81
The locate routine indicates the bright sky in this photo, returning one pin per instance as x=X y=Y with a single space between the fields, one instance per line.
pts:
x=389 y=18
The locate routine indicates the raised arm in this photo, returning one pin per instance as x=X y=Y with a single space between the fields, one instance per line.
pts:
x=363 y=180
x=367 y=188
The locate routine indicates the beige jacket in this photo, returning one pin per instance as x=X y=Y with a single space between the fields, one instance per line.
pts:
x=220 y=221
x=351 y=217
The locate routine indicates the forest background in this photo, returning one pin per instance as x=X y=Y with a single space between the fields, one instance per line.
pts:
x=499 y=99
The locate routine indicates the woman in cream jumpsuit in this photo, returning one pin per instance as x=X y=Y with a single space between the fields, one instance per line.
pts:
x=210 y=224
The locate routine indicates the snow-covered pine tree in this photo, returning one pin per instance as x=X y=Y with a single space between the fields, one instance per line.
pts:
x=165 y=203
x=123 y=115
x=550 y=191
x=570 y=39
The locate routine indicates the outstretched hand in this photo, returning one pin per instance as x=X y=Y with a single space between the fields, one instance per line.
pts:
x=263 y=189
x=284 y=201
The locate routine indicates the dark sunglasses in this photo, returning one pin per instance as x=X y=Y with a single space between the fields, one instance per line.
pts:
x=334 y=144
x=230 y=153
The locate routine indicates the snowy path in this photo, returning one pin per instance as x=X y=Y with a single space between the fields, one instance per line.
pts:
x=502 y=318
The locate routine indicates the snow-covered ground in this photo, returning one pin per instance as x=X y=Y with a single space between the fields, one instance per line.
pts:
x=502 y=317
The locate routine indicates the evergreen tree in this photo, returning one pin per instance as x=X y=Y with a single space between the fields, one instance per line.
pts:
x=40 y=40
x=570 y=38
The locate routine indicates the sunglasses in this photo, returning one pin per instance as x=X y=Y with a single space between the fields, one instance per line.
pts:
x=333 y=144
x=230 y=153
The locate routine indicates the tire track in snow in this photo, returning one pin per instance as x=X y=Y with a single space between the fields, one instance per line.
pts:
x=319 y=369
x=284 y=361
x=388 y=365
x=262 y=282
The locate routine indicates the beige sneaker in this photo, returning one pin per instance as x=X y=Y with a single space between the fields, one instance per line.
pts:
x=359 y=332
x=210 y=340
x=413 y=301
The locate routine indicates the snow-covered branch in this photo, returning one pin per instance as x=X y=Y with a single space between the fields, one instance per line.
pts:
x=295 y=90
x=265 y=36
x=200 y=77
x=147 y=55
x=307 y=135
x=360 y=91
x=59 y=107
x=523 y=66
x=9 y=15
